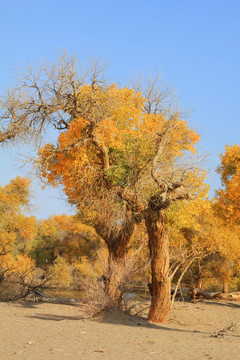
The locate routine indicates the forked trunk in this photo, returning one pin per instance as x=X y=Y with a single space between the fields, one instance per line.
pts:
x=117 y=248
x=159 y=252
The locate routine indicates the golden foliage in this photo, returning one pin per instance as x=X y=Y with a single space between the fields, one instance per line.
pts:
x=60 y=273
x=228 y=198
x=16 y=230
x=197 y=232
x=64 y=236
x=112 y=145
x=209 y=232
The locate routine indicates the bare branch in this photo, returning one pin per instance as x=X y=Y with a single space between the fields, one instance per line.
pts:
x=47 y=95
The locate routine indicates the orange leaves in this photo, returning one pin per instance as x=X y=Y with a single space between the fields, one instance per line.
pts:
x=14 y=225
x=47 y=228
x=209 y=233
x=64 y=236
x=113 y=141
x=124 y=115
x=27 y=227
x=15 y=229
x=110 y=120
x=230 y=163
x=229 y=198
x=12 y=197
x=185 y=138
x=15 y=194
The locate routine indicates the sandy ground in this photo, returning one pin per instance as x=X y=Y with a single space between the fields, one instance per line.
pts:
x=53 y=331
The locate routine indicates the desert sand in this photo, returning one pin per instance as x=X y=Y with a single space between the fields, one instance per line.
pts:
x=53 y=331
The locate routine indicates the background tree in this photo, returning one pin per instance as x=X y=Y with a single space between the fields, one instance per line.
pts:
x=16 y=234
x=227 y=207
x=15 y=228
x=200 y=237
x=64 y=236
x=228 y=198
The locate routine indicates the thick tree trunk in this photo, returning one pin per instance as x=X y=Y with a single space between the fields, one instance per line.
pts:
x=159 y=252
x=117 y=242
x=113 y=285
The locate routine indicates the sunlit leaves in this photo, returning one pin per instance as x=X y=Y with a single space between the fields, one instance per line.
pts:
x=64 y=236
x=15 y=227
x=228 y=198
x=113 y=144
x=16 y=230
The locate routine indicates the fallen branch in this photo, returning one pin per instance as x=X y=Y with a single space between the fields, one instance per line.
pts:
x=221 y=333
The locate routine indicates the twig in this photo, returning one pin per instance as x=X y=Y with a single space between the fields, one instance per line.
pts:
x=221 y=333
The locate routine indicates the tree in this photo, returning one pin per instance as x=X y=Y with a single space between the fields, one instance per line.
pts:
x=15 y=229
x=227 y=208
x=16 y=235
x=89 y=161
x=118 y=156
x=228 y=198
x=165 y=179
x=51 y=95
x=202 y=240
x=129 y=161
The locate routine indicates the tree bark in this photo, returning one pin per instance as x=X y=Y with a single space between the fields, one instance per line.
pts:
x=117 y=241
x=200 y=276
x=159 y=253
x=225 y=287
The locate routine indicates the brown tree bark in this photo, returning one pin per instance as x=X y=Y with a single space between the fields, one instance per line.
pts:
x=159 y=253
x=200 y=276
x=225 y=287
x=117 y=241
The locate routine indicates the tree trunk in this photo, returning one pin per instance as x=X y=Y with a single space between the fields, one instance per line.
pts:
x=117 y=241
x=200 y=283
x=225 y=287
x=114 y=280
x=200 y=276
x=159 y=253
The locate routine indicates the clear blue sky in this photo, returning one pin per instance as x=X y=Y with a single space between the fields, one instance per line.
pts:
x=194 y=43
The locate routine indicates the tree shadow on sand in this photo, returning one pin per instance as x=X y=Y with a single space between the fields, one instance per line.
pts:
x=53 y=317
x=125 y=319
x=221 y=303
x=59 y=301
x=26 y=304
